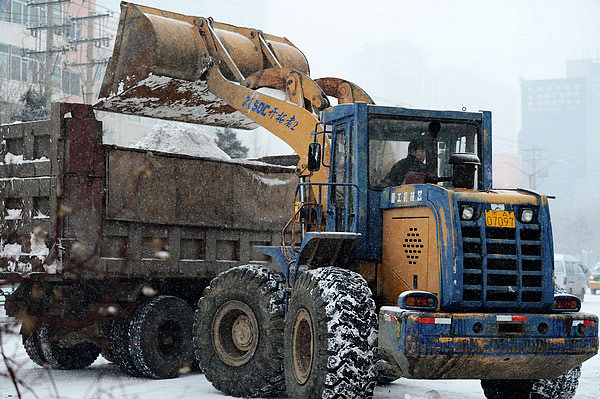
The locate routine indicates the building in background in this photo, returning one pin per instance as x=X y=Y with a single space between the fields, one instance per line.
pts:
x=56 y=47
x=559 y=139
x=560 y=143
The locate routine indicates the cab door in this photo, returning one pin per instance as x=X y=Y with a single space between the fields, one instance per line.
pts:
x=342 y=198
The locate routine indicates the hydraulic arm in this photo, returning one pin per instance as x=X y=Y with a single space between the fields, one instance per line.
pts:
x=192 y=69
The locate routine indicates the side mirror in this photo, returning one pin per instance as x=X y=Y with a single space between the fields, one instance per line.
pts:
x=314 y=157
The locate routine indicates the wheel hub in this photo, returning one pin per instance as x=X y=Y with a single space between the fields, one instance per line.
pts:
x=302 y=346
x=170 y=339
x=235 y=333
x=243 y=333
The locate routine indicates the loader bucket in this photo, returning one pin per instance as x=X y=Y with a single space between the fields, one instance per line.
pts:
x=160 y=58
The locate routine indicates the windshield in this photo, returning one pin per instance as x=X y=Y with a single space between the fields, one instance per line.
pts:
x=390 y=137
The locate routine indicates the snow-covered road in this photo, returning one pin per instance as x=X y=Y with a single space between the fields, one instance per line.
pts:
x=103 y=380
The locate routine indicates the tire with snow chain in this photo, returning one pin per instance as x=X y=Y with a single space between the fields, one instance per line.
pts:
x=330 y=336
x=238 y=332
x=45 y=347
x=562 y=387
x=160 y=337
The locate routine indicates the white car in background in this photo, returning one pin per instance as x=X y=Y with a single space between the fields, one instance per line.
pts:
x=570 y=274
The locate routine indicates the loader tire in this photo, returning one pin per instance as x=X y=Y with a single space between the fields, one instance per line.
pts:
x=562 y=387
x=117 y=346
x=238 y=332
x=45 y=343
x=160 y=337
x=503 y=389
x=330 y=336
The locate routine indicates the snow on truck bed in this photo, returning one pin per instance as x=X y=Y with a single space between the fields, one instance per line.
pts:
x=194 y=140
x=176 y=138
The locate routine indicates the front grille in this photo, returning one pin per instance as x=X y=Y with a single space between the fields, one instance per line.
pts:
x=502 y=267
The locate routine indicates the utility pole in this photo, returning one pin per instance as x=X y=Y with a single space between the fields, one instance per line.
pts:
x=90 y=41
x=89 y=72
x=534 y=162
x=49 y=64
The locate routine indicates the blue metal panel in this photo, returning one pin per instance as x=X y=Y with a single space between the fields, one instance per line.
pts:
x=428 y=114
x=338 y=112
x=486 y=150
x=506 y=269
x=285 y=257
x=547 y=242
x=369 y=214
x=485 y=345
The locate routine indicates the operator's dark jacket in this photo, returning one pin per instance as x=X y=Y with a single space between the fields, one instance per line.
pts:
x=398 y=172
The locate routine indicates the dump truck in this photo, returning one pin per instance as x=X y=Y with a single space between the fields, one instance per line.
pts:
x=440 y=277
x=103 y=238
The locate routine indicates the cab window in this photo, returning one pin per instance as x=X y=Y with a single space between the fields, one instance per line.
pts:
x=389 y=138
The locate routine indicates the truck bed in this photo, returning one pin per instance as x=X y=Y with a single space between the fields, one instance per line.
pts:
x=73 y=207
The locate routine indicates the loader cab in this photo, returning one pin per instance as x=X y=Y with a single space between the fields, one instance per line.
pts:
x=367 y=140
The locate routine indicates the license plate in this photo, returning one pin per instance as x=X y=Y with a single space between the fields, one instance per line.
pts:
x=499 y=219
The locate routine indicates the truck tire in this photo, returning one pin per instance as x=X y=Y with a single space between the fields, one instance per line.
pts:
x=32 y=346
x=117 y=346
x=239 y=330
x=330 y=336
x=44 y=342
x=562 y=387
x=160 y=337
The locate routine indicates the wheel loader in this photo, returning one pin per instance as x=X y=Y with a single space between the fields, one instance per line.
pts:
x=440 y=276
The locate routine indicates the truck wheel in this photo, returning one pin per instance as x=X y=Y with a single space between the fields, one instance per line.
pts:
x=44 y=345
x=160 y=337
x=330 y=336
x=562 y=387
x=32 y=346
x=593 y=292
x=239 y=330
x=117 y=346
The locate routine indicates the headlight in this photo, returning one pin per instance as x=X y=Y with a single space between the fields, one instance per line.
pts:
x=467 y=212
x=527 y=215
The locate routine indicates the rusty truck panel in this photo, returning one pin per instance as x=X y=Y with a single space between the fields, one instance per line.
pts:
x=233 y=196
x=73 y=207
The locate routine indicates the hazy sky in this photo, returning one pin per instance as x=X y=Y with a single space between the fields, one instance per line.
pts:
x=488 y=44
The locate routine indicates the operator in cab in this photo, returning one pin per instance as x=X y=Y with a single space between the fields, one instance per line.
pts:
x=412 y=163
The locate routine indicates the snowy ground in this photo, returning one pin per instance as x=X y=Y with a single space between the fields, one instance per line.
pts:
x=103 y=380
